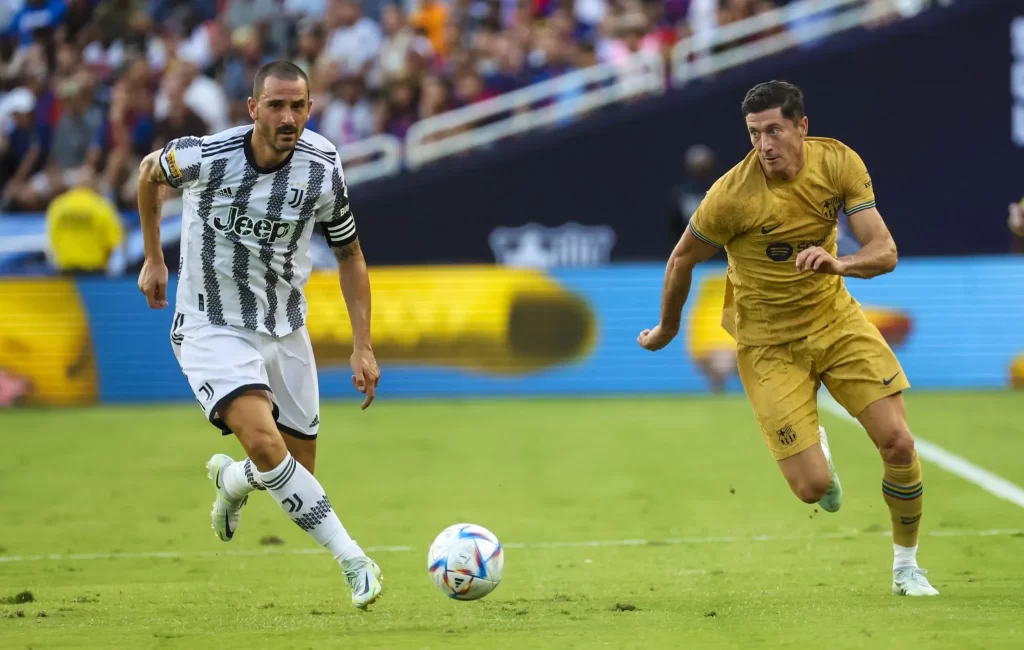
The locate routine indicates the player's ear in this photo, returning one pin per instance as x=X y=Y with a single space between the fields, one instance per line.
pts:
x=252 y=108
x=803 y=125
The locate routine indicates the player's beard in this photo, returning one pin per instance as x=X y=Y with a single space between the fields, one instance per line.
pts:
x=272 y=135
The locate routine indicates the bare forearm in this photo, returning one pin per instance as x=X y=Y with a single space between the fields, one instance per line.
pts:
x=28 y=163
x=149 y=208
x=355 y=288
x=678 y=275
x=875 y=258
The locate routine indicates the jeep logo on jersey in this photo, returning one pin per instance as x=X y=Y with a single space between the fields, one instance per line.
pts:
x=263 y=229
x=779 y=252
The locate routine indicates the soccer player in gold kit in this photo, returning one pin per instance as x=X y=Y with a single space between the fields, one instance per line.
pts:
x=796 y=325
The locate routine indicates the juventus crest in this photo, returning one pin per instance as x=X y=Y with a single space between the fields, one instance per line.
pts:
x=295 y=197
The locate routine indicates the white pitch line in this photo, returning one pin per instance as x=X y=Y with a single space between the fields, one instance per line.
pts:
x=947 y=460
x=671 y=541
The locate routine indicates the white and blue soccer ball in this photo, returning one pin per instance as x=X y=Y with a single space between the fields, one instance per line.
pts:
x=466 y=561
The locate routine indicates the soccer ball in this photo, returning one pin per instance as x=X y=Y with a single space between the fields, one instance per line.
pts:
x=466 y=561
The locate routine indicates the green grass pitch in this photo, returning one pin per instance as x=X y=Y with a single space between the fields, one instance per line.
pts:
x=726 y=557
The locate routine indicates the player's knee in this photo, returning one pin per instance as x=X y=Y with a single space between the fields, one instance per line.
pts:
x=897 y=446
x=263 y=445
x=810 y=491
x=811 y=485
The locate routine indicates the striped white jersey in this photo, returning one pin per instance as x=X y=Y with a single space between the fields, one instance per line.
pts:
x=246 y=229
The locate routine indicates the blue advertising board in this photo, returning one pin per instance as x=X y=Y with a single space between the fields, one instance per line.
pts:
x=491 y=331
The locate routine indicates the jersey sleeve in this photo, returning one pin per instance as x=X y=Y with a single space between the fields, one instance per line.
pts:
x=181 y=161
x=855 y=184
x=335 y=214
x=712 y=223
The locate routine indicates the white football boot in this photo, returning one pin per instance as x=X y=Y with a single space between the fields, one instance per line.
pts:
x=226 y=512
x=365 y=579
x=911 y=582
x=833 y=499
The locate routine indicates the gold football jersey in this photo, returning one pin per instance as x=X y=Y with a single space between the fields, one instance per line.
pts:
x=763 y=224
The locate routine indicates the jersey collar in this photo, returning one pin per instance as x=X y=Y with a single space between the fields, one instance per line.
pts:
x=251 y=159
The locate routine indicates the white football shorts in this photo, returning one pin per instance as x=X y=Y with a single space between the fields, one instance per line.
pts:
x=222 y=362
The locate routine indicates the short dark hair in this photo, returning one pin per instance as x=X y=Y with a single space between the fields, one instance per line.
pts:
x=280 y=69
x=775 y=94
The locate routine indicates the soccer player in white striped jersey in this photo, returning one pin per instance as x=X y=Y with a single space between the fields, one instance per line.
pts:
x=252 y=195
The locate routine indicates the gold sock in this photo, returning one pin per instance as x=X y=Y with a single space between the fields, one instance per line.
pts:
x=904 y=494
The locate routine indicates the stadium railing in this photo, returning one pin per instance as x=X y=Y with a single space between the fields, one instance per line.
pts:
x=533 y=107
x=805 y=22
x=549 y=102
x=374 y=157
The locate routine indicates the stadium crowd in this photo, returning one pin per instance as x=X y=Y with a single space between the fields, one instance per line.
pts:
x=90 y=86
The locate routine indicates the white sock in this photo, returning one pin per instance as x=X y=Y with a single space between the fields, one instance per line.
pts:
x=303 y=499
x=904 y=557
x=240 y=478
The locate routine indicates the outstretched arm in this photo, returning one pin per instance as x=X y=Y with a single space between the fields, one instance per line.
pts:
x=690 y=251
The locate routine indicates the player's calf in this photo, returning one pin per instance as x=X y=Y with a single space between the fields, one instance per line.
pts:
x=299 y=494
x=902 y=483
x=304 y=451
x=902 y=489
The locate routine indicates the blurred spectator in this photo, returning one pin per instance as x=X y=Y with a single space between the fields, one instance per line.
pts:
x=431 y=17
x=78 y=16
x=206 y=47
x=402 y=51
x=36 y=16
x=240 y=69
x=400 y=110
x=435 y=96
x=349 y=117
x=12 y=61
x=179 y=120
x=470 y=89
x=508 y=72
x=311 y=41
x=125 y=136
x=355 y=40
x=265 y=17
x=117 y=38
x=699 y=173
x=702 y=20
x=631 y=35
x=1016 y=223
x=203 y=95
x=296 y=9
x=21 y=152
x=83 y=229
x=76 y=129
